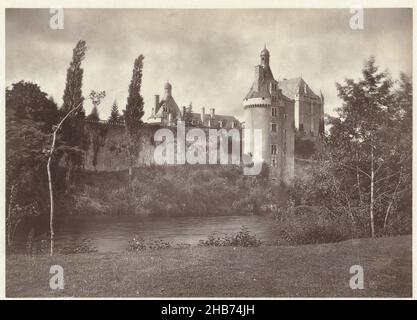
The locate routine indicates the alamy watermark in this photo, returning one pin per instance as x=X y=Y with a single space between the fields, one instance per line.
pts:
x=195 y=147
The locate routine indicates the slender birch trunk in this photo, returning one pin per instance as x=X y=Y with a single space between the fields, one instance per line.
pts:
x=371 y=205
x=48 y=167
x=51 y=194
x=392 y=200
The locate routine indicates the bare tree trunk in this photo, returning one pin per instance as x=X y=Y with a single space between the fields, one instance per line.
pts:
x=48 y=167
x=51 y=194
x=358 y=180
x=9 y=217
x=392 y=200
x=371 y=205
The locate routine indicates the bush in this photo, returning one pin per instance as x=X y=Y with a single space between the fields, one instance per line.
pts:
x=177 y=191
x=304 y=148
x=85 y=246
x=312 y=225
x=241 y=239
x=139 y=244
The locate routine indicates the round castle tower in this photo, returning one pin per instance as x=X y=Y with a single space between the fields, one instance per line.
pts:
x=268 y=110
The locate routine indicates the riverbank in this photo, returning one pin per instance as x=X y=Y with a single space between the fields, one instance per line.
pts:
x=267 y=271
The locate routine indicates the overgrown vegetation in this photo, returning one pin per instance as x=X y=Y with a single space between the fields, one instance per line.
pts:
x=139 y=244
x=243 y=238
x=178 y=191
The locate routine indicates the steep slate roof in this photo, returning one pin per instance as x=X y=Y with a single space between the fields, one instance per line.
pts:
x=168 y=102
x=291 y=87
x=263 y=91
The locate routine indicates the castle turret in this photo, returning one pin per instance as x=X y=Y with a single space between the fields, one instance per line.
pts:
x=168 y=90
x=269 y=112
x=265 y=57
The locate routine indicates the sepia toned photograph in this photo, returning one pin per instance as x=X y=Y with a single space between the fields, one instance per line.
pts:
x=208 y=153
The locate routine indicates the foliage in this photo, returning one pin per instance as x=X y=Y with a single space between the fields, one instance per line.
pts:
x=29 y=117
x=139 y=244
x=312 y=225
x=303 y=147
x=73 y=88
x=72 y=130
x=370 y=144
x=243 y=238
x=95 y=98
x=173 y=190
x=115 y=115
x=93 y=116
x=134 y=107
x=84 y=246
x=26 y=101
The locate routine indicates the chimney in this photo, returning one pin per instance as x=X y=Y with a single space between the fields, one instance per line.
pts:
x=203 y=112
x=156 y=103
x=259 y=76
x=212 y=112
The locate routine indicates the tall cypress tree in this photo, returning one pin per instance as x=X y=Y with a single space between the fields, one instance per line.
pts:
x=73 y=88
x=72 y=129
x=134 y=107
x=134 y=113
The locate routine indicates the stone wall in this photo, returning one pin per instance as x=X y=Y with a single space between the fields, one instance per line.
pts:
x=107 y=145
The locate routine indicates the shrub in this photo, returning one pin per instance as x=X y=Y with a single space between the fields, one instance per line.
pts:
x=85 y=246
x=139 y=244
x=312 y=225
x=241 y=239
x=304 y=148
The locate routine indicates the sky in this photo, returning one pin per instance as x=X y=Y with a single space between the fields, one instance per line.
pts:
x=207 y=55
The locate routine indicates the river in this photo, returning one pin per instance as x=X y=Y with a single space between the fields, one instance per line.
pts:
x=111 y=234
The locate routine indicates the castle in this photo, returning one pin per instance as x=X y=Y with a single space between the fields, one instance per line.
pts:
x=167 y=113
x=279 y=109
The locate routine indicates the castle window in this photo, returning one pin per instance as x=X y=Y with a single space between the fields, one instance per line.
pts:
x=165 y=109
x=274 y=112
x=273 y=127
x=273 y=149
x=274 y=163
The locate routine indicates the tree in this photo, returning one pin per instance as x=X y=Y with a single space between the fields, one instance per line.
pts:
x=29 y=117
x=73 y=88
x=95 y=98
x=25 y=100
x=134 y=112
x=93 y=116
x=114 y=115
x=363 y=143
x=48 y=167
x=134 y=107
x=72 y=130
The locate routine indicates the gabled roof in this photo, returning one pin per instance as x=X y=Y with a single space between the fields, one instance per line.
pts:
x=294 y=86
x=170 y=104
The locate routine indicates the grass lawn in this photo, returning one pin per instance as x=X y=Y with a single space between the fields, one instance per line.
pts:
x=266 y=271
